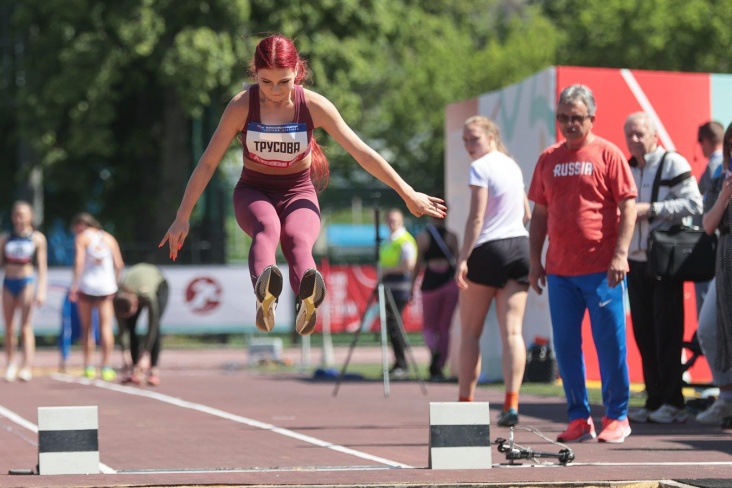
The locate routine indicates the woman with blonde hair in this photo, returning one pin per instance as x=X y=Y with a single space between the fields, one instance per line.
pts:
x=23 y=251
x=493 y=262
x=97 y=269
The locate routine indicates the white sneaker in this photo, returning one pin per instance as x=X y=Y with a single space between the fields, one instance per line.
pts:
x=639 y=415
x=710 y=392
x=11 y=372
x=25 y=374
x=716 y=413
x=398 y=373
x=668 y=414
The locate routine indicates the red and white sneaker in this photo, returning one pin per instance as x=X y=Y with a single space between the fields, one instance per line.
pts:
x=614 y=431
x=579 y=430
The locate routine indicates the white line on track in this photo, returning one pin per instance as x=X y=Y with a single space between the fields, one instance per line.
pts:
x=659 y=463
x=377 y=468
x=27 y=424
x=226 y=415
x=255 y=470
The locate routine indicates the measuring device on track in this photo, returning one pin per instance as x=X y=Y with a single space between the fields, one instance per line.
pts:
x=515 y=452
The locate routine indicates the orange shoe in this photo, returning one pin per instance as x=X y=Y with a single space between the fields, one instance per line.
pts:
x=614 y=431
x=153 y=379
x=579 y=430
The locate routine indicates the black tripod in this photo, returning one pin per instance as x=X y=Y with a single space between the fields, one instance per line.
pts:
x=383 y=296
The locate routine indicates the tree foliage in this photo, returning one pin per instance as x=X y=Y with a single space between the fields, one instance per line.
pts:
x=108 y=89
x=672 y=35
x=115 y=101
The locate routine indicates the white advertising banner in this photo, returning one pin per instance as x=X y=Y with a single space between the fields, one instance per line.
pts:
x=203 y=299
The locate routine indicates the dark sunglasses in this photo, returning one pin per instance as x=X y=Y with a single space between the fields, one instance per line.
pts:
x=563 y=119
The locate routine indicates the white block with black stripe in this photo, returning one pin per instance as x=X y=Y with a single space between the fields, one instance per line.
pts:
x=460 y=435
x=68 y=440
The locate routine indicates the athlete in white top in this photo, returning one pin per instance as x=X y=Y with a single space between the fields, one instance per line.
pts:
x=505 y=210
x=493 y=262
x=98 y=267
x=98 y=278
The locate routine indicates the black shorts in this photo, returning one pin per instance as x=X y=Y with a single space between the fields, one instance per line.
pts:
x=493 y=263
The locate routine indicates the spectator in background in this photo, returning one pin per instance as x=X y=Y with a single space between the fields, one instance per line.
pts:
x=437 y=248
x=584 y=197
x=23 y=251
x=718 y=346
x=398 y=258
x=709 y=136
x=276 y=200
x=493 y=262
x=97 y=268
x=657 y=307
x=142 y=287
x=707 y=336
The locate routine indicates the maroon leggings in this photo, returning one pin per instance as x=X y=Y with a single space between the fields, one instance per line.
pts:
x=281 y=209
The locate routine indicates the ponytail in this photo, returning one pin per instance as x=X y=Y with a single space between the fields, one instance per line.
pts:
x=319 y=171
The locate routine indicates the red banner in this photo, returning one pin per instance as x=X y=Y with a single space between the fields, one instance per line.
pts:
x=352 y=303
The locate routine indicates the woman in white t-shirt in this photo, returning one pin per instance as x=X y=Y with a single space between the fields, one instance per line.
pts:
x=493 y=262
x=97 y=269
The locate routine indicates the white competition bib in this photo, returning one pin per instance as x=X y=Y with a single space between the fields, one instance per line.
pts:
x=277 y=145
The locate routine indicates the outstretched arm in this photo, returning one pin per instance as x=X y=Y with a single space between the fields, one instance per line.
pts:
x=230 y=124
x=326 y=115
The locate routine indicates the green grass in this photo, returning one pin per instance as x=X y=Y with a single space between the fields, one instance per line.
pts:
x=371 y=371
x=375 y=371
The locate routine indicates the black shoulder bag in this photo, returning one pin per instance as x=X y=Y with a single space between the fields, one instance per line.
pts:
x=680 y=253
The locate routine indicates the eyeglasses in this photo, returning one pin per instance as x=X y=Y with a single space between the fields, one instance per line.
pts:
x=575 y=119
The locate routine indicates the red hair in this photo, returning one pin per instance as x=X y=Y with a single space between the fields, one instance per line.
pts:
x=279 y=52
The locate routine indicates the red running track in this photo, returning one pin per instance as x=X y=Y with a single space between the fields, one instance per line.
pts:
x=214 y=421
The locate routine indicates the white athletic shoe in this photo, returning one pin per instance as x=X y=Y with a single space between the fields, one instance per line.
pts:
x=668 y=414
x=267 y=290
x=11 y=373
x=311 y=296
x=639 y=415
x=25 y=374
x=716 y=413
